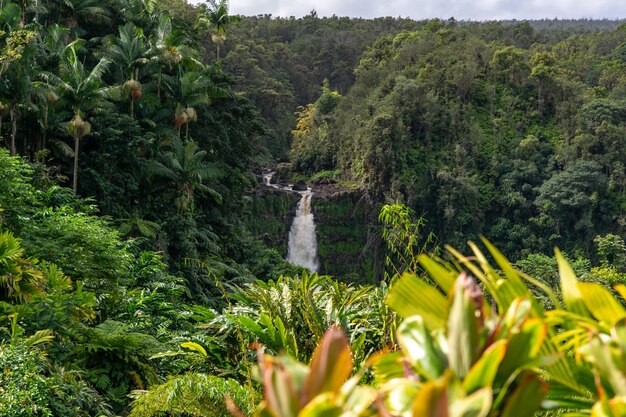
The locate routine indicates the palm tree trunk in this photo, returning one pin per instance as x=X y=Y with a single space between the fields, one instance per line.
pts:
x=75 y=179
x=13 y=114
x=187 y=131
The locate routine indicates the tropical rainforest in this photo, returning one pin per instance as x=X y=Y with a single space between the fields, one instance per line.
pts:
x=469 y=189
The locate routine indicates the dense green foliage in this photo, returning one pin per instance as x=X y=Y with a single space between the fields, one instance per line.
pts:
x=483 y=128
x=132 y=284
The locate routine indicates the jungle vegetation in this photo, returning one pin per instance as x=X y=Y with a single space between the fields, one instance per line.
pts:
x=130 y=286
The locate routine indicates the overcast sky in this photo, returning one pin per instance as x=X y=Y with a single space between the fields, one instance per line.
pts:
x=422 y=9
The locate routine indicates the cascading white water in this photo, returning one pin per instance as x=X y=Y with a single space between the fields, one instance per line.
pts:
x=302 y=239
x=302 y=245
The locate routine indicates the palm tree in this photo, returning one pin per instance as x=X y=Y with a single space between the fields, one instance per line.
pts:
x=216 y=20
x=168 y=49
x=129 y=51
x=184 y=167
x=188 y=90
x=81 y=90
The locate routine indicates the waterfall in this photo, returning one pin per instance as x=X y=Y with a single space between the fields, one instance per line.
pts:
x=302 y=245
x=302 y=239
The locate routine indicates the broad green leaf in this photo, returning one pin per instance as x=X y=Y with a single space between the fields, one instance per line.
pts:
x=523 y=347
x=569 y=286
x=512 y=275
x=526 y=399
x=484 y=370
x=331 y=365
x=443 y=276
x=411 y=296
x=477 y=404
x=40 y=336
x=195 y=347
x=420 y=348
x=601 y=303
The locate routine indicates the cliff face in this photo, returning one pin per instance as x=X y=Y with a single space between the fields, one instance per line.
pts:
x=349 y=245
x=270 y=214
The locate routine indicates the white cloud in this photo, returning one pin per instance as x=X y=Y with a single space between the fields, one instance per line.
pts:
x=422 y=9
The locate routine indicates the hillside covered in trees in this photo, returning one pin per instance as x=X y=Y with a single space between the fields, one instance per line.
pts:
x=133 y=281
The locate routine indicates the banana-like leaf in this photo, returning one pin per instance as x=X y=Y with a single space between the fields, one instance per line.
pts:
x=411 y=296
x=421 y=349
x=601 y=303
x=40 y=336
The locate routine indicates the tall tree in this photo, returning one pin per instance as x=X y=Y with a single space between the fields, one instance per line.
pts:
x=215 y=21
x=129 y=51
x=82 y=90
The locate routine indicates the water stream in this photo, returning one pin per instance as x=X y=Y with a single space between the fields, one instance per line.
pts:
x=302 y=245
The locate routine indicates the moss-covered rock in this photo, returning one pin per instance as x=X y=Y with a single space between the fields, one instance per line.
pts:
x=270 y=215
x=349 y=244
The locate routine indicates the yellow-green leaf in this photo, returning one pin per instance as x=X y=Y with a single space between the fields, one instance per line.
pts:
x=484 y=370
x=443 y=276
x=569 y=286
x=195 y=347
x=411 y=296
x=420 y=348
x=601 y=303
